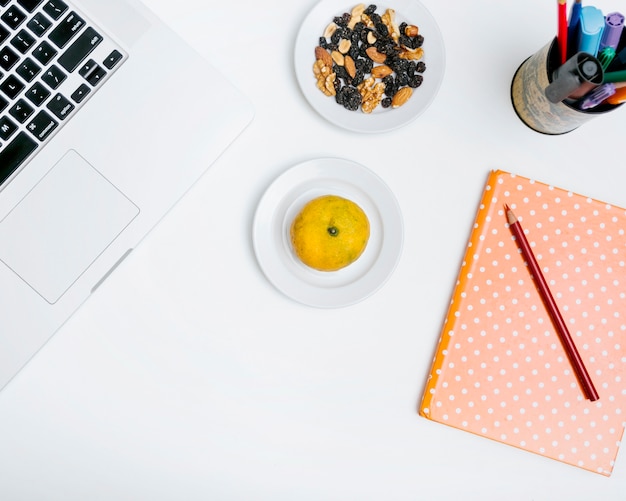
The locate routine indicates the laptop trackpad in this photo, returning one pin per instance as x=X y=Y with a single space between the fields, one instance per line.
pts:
x=61 y=226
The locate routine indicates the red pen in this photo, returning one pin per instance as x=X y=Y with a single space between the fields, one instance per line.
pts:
x=562 y=29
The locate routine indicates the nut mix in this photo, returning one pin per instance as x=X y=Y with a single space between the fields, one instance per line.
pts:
x=365 y=59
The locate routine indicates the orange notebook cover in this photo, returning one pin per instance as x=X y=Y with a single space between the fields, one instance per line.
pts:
x=500 y=370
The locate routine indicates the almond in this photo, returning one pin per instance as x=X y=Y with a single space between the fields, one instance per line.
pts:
x=401 y=97
x=381 y=71
x=375 y=56
x=323 y=55
x=349 y=65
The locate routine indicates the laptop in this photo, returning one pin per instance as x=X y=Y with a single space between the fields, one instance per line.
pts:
x=107 y=118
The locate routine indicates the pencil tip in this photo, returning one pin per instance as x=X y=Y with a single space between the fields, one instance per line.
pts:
x=509 y=214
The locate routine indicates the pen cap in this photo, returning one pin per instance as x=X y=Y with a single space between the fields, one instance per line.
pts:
x=614 y=23
x=578 y=75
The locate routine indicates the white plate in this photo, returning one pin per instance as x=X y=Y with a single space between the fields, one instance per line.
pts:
x=285 y=198
x=380 y=120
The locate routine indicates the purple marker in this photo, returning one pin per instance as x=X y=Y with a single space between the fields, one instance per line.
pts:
x=613 y=25
x=597 y=95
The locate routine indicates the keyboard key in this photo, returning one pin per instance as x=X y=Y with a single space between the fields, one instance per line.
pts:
x=42 y=125
x=60 y=106
x=13 y=17
x=29 y=5
x=8 y=58
x=81 y=93
x=66 y=30
x=7 y=128
x=44 y=53
x=39 y=24
x=28 y=69
x=80 y=49
x=14 y=154
x=23 y=41
x=96 y=75
x=4 y=3
x=12 y=86
x=54 y=77
x=87 y=68
x=21 y=111
x=3 y=103
x=37 y=94
x=112 y=59
x=55 y=8
x=4 y=33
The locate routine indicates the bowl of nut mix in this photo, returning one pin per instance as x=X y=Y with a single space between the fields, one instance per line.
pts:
x=369 y=67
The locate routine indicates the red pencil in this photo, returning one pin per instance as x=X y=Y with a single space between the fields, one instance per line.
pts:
x=561 y=328
x=562 y=29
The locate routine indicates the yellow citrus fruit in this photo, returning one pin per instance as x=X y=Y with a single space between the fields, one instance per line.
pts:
x=329 y=233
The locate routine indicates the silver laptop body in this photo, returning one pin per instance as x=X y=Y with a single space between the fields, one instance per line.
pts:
x=136 y=122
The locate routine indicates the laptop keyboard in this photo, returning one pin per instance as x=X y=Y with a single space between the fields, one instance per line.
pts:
x=52 y=60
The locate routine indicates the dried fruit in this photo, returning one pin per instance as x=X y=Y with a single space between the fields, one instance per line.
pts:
x=365 y=59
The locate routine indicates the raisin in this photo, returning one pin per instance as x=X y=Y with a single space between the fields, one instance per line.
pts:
x=341 y=72
x=358 y=78
x=390 y=86
x=382 y=30
x=416 y=81
x=351 y=98
x=406 y=41
x=340 y=20
x=370 y=10
x=405 y=72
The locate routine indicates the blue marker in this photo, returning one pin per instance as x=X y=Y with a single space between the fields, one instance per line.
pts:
x=590 y=30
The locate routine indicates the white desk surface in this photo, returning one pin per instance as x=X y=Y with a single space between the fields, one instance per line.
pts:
x=187 y=376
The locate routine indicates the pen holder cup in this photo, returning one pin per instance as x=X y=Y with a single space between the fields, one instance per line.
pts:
x=533 y=107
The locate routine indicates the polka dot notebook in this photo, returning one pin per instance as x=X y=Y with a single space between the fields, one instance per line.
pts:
x=500 y=370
